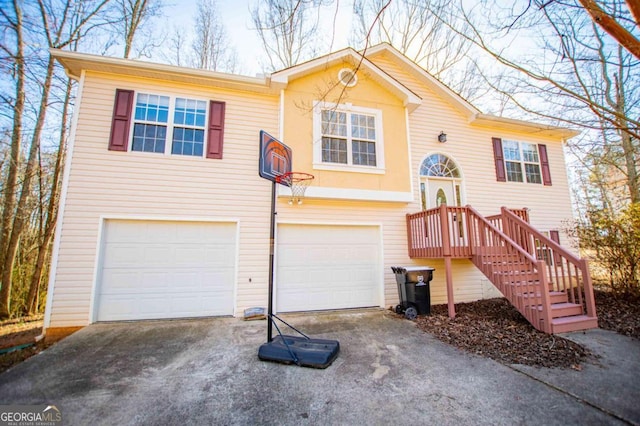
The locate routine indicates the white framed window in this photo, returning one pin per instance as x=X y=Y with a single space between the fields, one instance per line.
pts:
x=169 y=125
x=522 y=162
x=348 y=138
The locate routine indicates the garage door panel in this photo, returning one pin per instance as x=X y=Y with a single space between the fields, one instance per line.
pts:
x=220 y=255
x=166 y=270
x=133 y=281
x=327 y=267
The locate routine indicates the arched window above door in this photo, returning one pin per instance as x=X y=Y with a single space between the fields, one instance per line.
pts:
x=439 y=165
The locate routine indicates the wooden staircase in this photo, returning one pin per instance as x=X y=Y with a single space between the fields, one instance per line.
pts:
x=548 y=285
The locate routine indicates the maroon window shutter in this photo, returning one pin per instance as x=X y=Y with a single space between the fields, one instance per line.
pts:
x=119 y=139
x=215 y=135
x=498 y=156
x=544 y=164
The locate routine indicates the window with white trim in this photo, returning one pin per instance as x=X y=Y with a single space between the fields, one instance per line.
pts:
x=348 y=137
x=157 y=116
x=521 y=161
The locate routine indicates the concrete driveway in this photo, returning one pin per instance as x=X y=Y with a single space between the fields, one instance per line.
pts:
x=207 y=371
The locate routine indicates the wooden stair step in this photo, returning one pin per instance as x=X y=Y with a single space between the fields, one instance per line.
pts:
x=528 y=283
x=554 y=296
x=487 y=261
x=565 y=309
x=573 y=323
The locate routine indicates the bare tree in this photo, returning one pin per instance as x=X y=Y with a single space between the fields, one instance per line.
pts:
x=211 y=48
x=49 y=213
x=557 y=65
x=287 y=29
x=177 y=52
x=608 y=21
x=417 y=30
x=14 y=24
x=134 y=16
x=413 y=29
x=63 y=23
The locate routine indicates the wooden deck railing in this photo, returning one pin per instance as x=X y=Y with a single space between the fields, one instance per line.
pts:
x=566 y=271
x=517 y=274
x=496 y=219
x=426 y=230
x=438 y=233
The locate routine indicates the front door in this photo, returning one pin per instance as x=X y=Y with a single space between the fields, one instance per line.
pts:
x=437 y=191
x=441 y=191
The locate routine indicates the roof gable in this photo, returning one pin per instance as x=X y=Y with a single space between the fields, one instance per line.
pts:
x=410 y=99
x=422 y=75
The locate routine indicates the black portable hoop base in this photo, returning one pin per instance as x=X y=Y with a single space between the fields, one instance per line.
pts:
x=300 y=350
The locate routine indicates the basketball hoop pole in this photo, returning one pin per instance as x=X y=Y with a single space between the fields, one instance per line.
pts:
x=271 y=256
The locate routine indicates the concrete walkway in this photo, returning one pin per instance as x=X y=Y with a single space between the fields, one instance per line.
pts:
x=207 y=372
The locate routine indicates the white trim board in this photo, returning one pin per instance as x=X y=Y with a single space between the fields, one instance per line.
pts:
x=350 y=194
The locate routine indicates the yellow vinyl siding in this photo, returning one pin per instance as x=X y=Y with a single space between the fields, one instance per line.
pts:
x=299 y=98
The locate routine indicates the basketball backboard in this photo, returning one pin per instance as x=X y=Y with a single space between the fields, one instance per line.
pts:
x=275 y=157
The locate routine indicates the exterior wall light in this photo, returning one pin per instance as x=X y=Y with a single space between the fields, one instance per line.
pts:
x=442 y=137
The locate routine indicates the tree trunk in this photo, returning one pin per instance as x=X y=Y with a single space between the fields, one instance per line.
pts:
x=11 y=185
x=52 y=209
x=631 y=166
x=22 y=214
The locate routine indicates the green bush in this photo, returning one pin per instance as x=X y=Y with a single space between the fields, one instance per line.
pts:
x=612 y=241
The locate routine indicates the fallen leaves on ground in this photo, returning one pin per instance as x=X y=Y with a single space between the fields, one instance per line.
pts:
x=619 y=313
x=495 y=329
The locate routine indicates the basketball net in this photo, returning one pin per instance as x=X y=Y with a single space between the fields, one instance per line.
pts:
x=298 y=182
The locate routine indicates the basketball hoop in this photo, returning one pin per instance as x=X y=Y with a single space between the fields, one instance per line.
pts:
x=298 y=182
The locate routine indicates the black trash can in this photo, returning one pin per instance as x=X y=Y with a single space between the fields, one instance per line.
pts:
x=413 y=290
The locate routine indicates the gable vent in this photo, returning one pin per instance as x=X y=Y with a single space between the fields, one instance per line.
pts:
x=347 y=77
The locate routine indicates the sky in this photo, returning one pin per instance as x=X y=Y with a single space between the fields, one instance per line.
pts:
x=236 y=18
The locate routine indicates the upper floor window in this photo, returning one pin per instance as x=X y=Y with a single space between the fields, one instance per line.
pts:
x=516 y=161
x=347 y=137
x=521 y=161
x=146 y=122
x=158 y=116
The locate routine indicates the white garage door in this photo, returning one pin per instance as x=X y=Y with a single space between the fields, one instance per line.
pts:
x=154 y=269
x=327 y=267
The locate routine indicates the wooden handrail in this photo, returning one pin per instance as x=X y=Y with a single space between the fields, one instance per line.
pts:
x=515 y=245
x=516 y=273
x=496 y=219
x=568 y=270
x=548 y=241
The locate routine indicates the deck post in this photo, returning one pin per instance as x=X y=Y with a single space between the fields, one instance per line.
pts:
x=446 y=249
x=450 y=302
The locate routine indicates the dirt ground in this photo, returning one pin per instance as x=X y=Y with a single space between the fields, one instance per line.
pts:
x=490 y=328
x=17 y=332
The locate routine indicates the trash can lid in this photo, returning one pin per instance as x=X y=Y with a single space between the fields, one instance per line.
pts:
x=417 y=268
